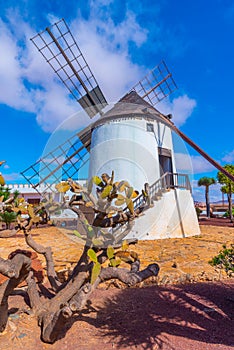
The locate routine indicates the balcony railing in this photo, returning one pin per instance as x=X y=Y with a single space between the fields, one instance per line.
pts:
x=165 y=182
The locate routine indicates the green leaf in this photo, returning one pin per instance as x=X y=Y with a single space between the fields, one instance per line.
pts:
x=95 y=272
x=106 y=191
x=120 y=196
x=125 y=245
x=135 y=194
x=110 y=252
x=97 y=181
x=62 y=187
x=129 y=192
x=120 y=200
x=134 y=255
x=124 y=256
x=130 y=205
x=92 y=255
x=115 y=262
x=90 y=229
x=97 y=242
x=121 y=186
x=77 y=233
x=2 y=181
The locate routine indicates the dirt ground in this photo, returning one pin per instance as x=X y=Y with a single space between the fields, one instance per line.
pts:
x=190 y=305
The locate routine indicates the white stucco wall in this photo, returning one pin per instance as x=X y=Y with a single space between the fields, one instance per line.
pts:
x=172 y=216
x=126 y=147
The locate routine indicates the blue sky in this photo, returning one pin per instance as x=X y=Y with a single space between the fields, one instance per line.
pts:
x=121 y=41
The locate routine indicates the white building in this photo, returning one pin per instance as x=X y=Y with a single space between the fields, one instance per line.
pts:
x=34 y=196
x=134 y=140
x=27 y=192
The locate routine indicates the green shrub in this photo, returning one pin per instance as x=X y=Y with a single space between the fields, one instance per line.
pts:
x=5 y=192
x=227 y=214
x=224 y=260
x=198 y=211
x=8 y=217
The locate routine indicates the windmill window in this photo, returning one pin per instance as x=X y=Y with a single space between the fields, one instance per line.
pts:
x=150 y=127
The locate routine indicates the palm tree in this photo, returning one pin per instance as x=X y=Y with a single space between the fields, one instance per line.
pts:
x=15 y=196
x=225 y=189
x=207 y=181
x=228 y=186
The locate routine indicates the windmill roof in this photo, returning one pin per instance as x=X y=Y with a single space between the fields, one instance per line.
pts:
x=129 y=105
x=133 y=97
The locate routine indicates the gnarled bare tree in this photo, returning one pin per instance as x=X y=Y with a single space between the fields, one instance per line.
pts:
x=96 y=264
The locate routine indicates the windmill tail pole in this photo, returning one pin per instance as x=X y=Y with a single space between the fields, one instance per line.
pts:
x=204 y=154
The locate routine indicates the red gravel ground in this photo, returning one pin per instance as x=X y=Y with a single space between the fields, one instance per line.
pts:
x=197 y=316
x=225 y=222
x=188 y=317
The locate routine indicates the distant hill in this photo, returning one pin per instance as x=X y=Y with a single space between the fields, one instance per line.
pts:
x=220 y=202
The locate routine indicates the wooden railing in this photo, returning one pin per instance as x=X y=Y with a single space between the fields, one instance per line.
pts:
x=170 y=180
x=166 y=181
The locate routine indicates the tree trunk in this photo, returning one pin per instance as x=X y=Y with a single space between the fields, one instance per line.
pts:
x=47 y=252
x=229 y=195
x=68 y=298
x=19 y=268
x=207 y=202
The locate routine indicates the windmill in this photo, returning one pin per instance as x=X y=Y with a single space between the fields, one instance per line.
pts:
x=59 y=48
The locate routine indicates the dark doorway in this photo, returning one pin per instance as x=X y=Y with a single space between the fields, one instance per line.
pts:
x=165 y=164
x=34 y=201
x=165 y=161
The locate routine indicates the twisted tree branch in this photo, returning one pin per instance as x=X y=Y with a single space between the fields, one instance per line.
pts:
x=7 y=268
x=21 y=266
x=47 y=252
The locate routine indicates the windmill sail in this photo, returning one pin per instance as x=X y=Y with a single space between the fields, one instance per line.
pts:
x=62 y=163
x=156 y=85
x=59 y=48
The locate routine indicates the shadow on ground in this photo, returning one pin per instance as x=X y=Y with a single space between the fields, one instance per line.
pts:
x=152 y=316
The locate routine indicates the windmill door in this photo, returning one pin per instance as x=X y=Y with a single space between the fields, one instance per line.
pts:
x=165 y=162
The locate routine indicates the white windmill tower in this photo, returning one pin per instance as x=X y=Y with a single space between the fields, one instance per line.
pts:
x=133 y=138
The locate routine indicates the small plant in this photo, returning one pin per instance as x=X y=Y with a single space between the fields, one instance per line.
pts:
x=224 y=260
x=114 y=257
x=227 y=213
x=8 y=218
x=5 y=192
x=198 y=212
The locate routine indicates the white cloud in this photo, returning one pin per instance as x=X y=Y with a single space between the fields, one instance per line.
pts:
x=181 y=108
x=54 y=107
x=13 y=177
x=192 y=164
x=183 y=162
x=107 y=51
x=229 y=158
x=199 y=192
x=201 y=165
x=27 y=82
x=13 y=91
